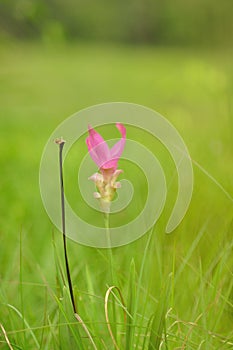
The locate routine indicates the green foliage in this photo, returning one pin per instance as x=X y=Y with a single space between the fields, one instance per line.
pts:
x=40 y=86
x=131 y=301
x=158 y=324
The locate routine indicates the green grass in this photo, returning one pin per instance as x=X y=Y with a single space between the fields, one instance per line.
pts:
x=179 y=285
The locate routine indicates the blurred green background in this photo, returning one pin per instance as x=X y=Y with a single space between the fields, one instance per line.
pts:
x=134 y=21
x=58 y=57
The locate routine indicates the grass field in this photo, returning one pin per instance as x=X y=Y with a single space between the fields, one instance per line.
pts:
x=40 y=87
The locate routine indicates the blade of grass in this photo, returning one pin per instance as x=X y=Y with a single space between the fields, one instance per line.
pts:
x=147 y=332
x=190 y=251
x=139 y=286
x=26 y=324
x=92 y=298
x=14 y=345
x=106 y=302
x=86 y=330
x=21 y=281
x=74 y=330
x=45 y=316
x=61 y=308
x=130 y=328
x=78 y=318
x=158 y=323
x=52 y=334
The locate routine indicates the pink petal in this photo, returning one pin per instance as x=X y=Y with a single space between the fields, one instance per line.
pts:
x=94 y=136
x=110 y=164
x=122 y=129
x=91 y=152
x=97 y=147
x=117 y=149
x=99 y=150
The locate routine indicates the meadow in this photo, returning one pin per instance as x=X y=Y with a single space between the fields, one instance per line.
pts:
x=177 y=288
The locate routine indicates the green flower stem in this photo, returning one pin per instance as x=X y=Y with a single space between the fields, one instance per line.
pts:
x=109 y=248
x=112 y=274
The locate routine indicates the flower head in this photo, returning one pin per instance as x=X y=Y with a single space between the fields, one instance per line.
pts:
x=107 y=161
x=99 y=151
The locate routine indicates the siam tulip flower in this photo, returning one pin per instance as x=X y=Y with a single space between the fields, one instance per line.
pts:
x=107 y=161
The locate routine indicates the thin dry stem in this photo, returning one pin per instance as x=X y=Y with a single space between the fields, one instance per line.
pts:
x=61 y=144
x=6 y=337
x=106 y=299
x=85 y=329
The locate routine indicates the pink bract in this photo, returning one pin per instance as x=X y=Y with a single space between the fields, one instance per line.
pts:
x=102 y=155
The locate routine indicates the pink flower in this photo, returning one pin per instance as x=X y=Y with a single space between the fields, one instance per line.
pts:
x=107 y=161
x=99 y=151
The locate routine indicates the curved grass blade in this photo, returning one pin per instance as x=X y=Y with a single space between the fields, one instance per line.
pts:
x=6 y=337
x=26 y=324
x=106 y=301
